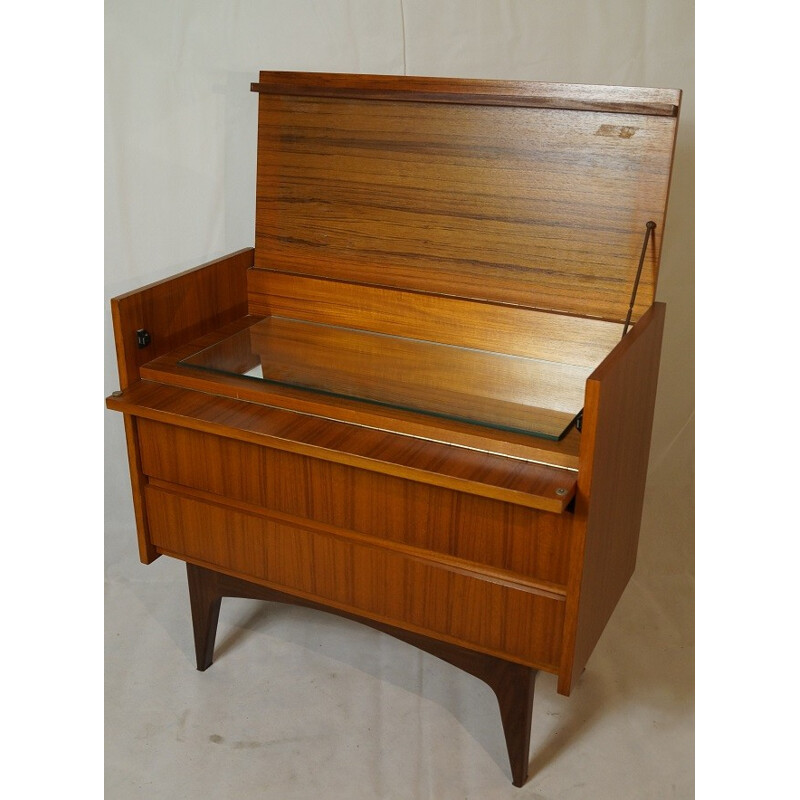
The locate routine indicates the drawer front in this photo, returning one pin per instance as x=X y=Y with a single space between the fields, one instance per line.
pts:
x=355 y=576
x=532 y=543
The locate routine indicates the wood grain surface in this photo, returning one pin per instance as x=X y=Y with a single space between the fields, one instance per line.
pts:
x=620 y=399
x=543 y=208
x=529 y=543
x=412 y=593
x=170 y=369
x=512 y=480
x=178 y=309
x=463 y=323
x=494 y=389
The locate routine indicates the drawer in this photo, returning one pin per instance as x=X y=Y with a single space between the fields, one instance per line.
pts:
x=532 y=543
x=410 y=592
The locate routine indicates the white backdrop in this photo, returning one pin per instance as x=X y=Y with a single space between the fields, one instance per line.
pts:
x=181 y=127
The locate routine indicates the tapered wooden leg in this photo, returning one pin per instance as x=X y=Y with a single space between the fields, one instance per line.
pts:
x=512 y=683
x=514 y=690
x=205 y=599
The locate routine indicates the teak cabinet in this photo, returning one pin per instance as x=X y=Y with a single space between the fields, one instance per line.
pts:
x=424 y=399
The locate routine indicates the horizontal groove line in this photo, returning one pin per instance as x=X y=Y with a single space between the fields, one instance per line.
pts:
x=429 y=557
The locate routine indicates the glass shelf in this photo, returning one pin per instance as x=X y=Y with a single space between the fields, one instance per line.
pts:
x=513 y=393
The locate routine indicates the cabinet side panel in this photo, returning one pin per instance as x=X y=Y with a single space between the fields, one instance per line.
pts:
x=178 y=309
x=618 y=418
x=147 y=553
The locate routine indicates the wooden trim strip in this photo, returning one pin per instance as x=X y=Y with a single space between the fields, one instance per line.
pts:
x=147 y=553
x=527 y=94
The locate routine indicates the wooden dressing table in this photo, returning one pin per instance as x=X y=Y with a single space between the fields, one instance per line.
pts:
x=424 y=399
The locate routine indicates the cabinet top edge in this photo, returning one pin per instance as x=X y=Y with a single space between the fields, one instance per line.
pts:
x=530 y=94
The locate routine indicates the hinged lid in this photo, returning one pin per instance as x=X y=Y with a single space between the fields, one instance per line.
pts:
x=520 y=193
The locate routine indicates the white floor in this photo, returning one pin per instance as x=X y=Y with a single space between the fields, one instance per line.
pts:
x=301 y=705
